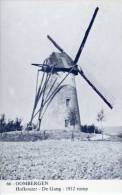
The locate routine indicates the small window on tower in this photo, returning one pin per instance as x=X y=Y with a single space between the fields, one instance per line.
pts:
x=67 y=102
x=66 y=122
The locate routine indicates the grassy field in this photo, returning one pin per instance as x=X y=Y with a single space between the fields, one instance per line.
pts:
x=61 y=159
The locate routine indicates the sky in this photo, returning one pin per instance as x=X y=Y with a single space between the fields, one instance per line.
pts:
x=24 y=26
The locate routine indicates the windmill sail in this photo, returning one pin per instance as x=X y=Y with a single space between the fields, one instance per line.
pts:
x=100 y=85
x=85 y=36
x=54 y=43
x=95 y=89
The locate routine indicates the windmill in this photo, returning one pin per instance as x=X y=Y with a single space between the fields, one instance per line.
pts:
x=56 y=104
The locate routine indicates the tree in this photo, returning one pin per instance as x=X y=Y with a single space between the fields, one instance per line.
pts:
x=100 y=119
x=10 y=126
x=2 y=123
x=73 y=117
x=17 y=124
x=73 y=120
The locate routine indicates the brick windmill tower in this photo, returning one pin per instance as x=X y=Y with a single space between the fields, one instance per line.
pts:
x=56 y=104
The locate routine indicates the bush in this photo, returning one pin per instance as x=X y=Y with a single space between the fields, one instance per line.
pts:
x=30 y=126
x=10 y=125
x=120 y=135
x=90 y=129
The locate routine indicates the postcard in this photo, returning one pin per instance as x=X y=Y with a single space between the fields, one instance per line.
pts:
x=60 y=100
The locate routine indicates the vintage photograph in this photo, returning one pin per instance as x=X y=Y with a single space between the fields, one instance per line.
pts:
x=60 y=90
